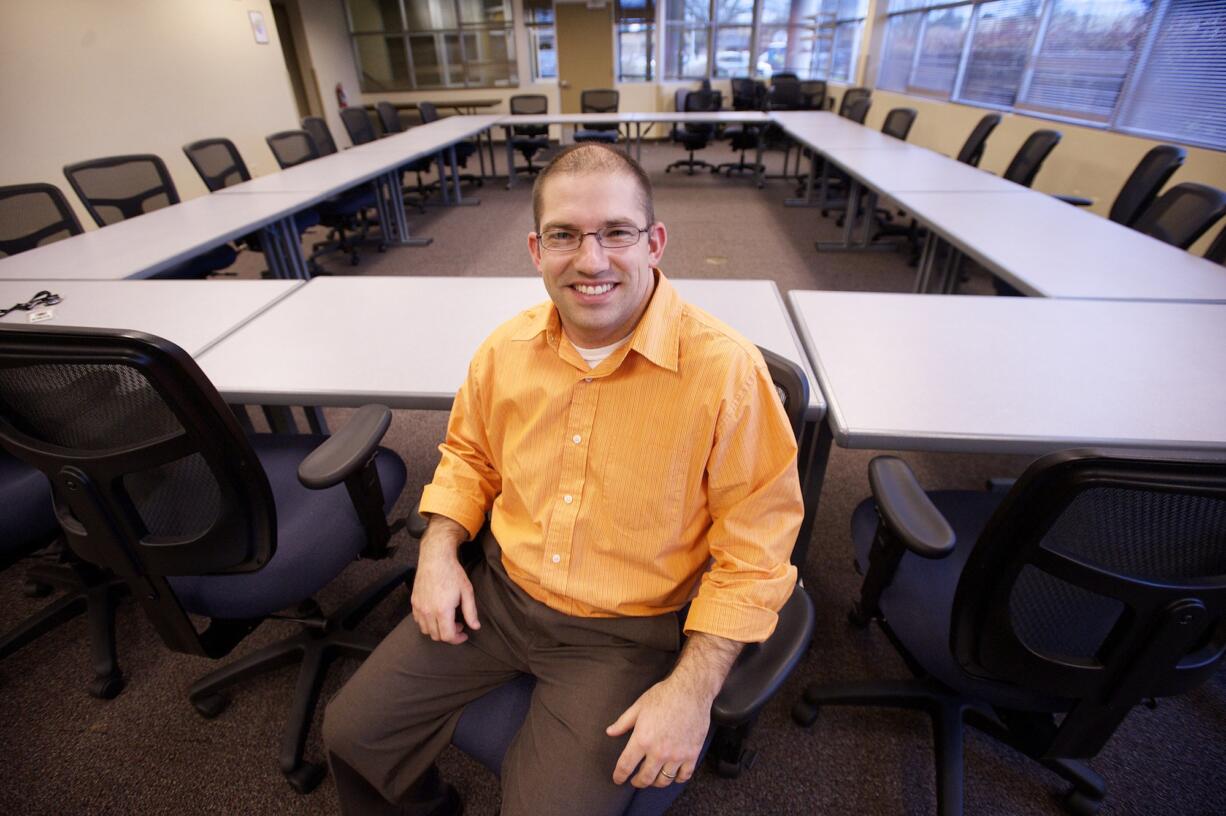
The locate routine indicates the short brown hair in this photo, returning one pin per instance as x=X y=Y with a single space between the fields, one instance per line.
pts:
x=592 y=157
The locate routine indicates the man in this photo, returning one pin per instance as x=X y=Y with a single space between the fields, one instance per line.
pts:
x=630 y=449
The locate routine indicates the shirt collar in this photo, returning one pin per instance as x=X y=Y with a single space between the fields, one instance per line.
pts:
x=657 y=336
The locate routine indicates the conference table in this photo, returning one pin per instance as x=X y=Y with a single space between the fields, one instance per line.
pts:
x=979 y=374
x=406 y=342
x=466 y=107
x=193 y=315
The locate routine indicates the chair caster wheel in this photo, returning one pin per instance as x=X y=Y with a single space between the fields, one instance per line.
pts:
x=35 y=589
x=306 y=777
x=106 y=688
x=211 y=705
x=804 y=713
x=1081 y=803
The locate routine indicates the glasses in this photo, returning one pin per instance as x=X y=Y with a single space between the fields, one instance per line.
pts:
x=615 y=237
x=43 y=298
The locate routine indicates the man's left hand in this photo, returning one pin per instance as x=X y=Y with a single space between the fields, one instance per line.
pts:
x=669 y=725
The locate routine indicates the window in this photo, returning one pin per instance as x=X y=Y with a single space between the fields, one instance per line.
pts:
x=402 y=45
x=814 y=39
x=1152 y=67
x=636 y=33
x=542 y=45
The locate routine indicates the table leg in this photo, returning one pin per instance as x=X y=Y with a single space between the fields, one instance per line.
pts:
x=925 y=263
x=810 y=186
x=460 y=200
x=315 y=419
x=850 y=216
x=759 y=173
x=283 y=251
x=389 y=197
x=510 y=161
x=814 y=454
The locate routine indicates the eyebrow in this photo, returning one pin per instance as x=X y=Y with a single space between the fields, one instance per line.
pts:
x=613 y=222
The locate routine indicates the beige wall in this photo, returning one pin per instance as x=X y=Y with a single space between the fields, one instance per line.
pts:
x=84 y=79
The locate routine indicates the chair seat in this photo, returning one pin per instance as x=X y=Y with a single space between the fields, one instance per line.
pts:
x=28 y=520
x=607 y=136
x=201 y=266
x=300 y=567
x=348 y=203
x=918 y=604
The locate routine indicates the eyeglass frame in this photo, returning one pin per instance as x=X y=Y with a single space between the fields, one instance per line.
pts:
x=596 y=234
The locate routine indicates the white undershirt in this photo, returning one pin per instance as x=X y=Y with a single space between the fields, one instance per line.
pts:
x=595 y=356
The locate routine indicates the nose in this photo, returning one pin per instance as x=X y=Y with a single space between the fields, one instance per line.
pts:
x=590 y=256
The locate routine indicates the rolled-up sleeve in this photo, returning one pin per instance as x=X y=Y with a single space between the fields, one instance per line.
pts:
x=756 y=510
x=466 y=481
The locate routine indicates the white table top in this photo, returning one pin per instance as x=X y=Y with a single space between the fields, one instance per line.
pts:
x=1046 y=247
x=631 y=117
x=822 y=130
x=192 y=314
x=407 y=342
x=143 y=246
x=916 y=169
x=1016 y=375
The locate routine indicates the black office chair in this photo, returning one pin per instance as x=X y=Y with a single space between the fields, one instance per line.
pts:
x=898 y=123
x=599 y=100
x=745 y=94
x=850 y=97
x=357 y=125
x=1141 y=188
x=857 y=110
x=341 y=213
x=529 y=139
x=1182 y=214
x=320 y=133
x=155 y=480
x=1217 y=250
x=489 y=724
x=463 y=150
x=32 y=215
x=972 y=148
x=389 y=117
x=813 y=94
x=696 y=135
x=115 y=188
x=1030 y=156
x=784 y=92
x=1098 y=581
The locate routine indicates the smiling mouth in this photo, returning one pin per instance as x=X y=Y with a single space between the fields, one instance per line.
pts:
x=593 y=289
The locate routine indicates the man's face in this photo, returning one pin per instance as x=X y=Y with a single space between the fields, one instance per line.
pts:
x=600 y=293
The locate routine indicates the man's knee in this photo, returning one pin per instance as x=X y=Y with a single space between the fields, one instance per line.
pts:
x=343 y=725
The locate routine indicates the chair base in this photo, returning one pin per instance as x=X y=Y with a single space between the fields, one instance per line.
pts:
x=950 y=715
x=739 y=167
x=690 y=164
x=86 y=590
x=320 y=641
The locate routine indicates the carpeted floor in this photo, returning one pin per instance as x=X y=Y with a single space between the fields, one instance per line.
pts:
x=148 y=752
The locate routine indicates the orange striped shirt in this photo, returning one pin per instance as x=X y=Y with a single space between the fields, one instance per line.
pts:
x=665 y=473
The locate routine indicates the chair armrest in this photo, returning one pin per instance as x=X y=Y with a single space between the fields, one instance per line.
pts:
x=907 y=511
x=762 y=668
x=1076 y=201
x=1000 y=484
x=347 y=450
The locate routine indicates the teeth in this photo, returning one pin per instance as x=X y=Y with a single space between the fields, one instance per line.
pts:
x=593 y=290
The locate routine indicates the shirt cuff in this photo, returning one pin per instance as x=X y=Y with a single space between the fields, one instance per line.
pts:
x=453 y=505
x=734 y=621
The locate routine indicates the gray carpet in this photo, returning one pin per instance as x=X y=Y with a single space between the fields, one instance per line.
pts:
x=149 y=752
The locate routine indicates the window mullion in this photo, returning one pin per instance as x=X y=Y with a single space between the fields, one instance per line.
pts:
x=1036 y=47
x=1157 y=15
x=710 y=40
x=919 y=50
x=956 y=91
x=754 y=24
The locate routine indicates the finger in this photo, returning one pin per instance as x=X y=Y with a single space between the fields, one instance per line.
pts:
x=648 y=773
x=446 y=626
x=665 y=778
x=625 y=722
x=626 y=763
x=684 y=773
x=468 y=605
x=432 y=627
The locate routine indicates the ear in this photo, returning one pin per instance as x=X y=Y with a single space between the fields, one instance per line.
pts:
x=534 y=249
x=657 y=237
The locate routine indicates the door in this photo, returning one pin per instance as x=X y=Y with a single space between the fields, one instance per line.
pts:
x=585 y=50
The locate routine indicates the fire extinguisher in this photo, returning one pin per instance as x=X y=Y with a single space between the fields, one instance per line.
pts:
x=342 y=101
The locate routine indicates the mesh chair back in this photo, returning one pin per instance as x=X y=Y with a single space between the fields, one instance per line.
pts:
x=320 y=135
x=813 y=94
x=1183 y=214
x=389 y=117
x=744 y=93
x=785 y=92
x=1139 y=191
x=529 y=105
x=218 y=163
x=357 y=125
x=1031 y=155
x=701 y=102
x=600 y=100
x=1217 y=250
x=32 y=215
x=119 y=187
x=292 y=147
x=792 y=386
x=850 y=97
x=428 y=112
x=858 y=111
x=972 y=149
x=151 y=472
x=1100 y=580
x=898 y=123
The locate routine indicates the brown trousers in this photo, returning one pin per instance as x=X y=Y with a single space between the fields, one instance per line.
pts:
x=385 y=728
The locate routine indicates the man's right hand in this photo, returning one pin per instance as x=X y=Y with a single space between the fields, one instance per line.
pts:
x=441 y=585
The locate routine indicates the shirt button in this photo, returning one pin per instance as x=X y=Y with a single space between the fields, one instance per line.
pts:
x=576 y=439
x=556 y=558
x=587 y=379
x=568 y=498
